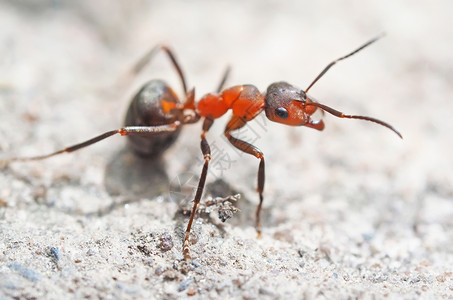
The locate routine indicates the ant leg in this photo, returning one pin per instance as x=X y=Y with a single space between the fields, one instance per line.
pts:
x=341 y=58
x=206 y=150
x=131 y=130
x=234 y=124
x=224 y=79
x=145 y=59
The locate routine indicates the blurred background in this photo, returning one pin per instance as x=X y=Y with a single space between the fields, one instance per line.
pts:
x=62 y=80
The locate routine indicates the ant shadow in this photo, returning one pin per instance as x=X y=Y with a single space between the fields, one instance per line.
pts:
x=129 y=178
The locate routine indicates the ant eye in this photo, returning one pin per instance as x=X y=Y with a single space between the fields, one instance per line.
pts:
x=282 y=112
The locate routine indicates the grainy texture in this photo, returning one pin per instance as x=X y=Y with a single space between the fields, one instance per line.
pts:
x=349 y=212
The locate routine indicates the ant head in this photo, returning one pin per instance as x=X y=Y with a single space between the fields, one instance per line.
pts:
x=286 y=104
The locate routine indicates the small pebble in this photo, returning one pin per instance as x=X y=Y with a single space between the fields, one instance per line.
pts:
x=54 y=252
x=183 y=285
x=166 y=241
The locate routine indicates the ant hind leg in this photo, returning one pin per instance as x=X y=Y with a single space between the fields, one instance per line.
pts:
x=131 y=130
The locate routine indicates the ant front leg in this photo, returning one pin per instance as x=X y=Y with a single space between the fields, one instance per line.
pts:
x=206 y=150
x=237 y=123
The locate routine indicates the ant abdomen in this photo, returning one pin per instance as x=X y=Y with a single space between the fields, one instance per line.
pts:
x=146 y=110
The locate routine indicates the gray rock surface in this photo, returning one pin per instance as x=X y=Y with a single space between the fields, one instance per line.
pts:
x=350 y=212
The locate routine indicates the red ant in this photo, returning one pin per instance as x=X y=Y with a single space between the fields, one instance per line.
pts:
x=156 y=115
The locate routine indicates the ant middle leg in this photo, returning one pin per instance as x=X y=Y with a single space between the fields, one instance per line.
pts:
x=237 y=123
x=206 y=150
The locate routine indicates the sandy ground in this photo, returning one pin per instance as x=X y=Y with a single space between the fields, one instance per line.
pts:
x=350 y=212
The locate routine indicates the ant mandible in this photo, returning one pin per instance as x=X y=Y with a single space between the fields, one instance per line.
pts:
x=156 y=115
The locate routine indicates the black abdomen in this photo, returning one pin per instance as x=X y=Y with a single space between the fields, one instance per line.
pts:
x=146 y=110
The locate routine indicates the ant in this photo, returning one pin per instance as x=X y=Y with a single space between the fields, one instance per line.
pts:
x=156 y=115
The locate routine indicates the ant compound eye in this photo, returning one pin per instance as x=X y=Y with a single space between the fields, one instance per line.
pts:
x=282 y=112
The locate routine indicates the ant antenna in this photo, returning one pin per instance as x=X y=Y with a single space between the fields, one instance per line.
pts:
x=341 y=58
x=339 y=114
